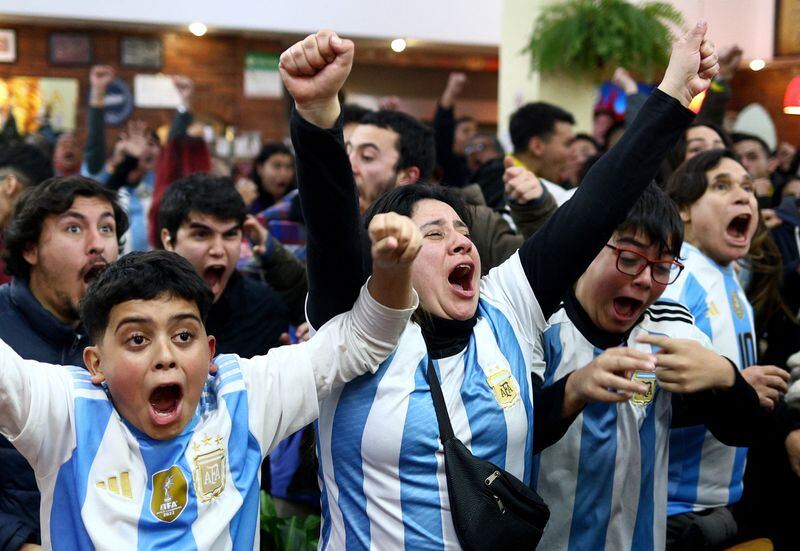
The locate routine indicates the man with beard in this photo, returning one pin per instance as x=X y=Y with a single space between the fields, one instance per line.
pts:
x=62 y=234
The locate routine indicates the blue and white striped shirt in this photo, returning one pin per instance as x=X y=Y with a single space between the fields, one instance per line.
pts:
x=703 y=472
x=381 y=461
x=606 y=480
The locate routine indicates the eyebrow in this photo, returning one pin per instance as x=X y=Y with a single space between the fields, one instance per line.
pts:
x=144 y=320
x=81 y=216
x=441 y=222
x=632 y=241
x=201 y=226
x=365 y=145
x=728 y=176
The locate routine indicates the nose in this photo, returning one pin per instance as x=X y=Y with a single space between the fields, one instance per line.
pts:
x=217 y=248
x=461 y=243
x=96 y=242
x=164 y=358
x=645 y=278
x=354 y=162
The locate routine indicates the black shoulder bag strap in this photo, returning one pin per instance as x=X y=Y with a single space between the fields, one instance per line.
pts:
x=445 y=428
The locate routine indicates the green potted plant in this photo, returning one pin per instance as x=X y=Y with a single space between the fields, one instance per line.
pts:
x=590 y=38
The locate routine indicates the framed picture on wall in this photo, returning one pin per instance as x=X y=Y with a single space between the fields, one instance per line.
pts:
x=787 y=27
x=8 y=46
x=141 y=53
x=70 y=49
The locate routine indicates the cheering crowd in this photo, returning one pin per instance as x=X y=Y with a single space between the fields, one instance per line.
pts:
x=432 y=343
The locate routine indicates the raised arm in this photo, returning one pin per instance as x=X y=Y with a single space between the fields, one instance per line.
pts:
x=313 y=71
x=563 y=248
x=94 y=153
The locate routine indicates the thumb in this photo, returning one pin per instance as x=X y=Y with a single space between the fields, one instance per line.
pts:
x=509 y=161
x=695 y=36
x=340 y=46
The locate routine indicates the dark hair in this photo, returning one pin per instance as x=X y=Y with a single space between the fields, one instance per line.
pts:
x=465 y=118
x=53 y=196
x=688 y=183
x=415 y=144
x=202 y=193
x=678 y=153
x=535 y=120
x=657 y=217
x=498 y=147
x=353 y=113
x=402 y=200
x=142 y=276
x=737 y=137
x=587 y=138
x=27 y=162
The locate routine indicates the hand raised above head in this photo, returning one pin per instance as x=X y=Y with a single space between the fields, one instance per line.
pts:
x=522 y=185
x=692 y=65
x=313 y=71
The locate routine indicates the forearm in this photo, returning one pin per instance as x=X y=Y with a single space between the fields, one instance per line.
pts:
x=362 y=339
x=531 y=216
x=15 y=392
x=563 y=248
x=732 y=415
x=180 y=124
x=95 y=151
x=287 y=276
x=329 y=202
x=119 y=177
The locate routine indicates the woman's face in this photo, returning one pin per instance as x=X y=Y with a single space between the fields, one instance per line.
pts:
x=446 y=274
x=277 y=174
x=701 y=138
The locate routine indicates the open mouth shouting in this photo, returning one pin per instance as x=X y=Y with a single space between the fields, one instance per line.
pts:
x=91 y=271
x=165 y=404
x=214 y=276
x=627 y=309
x=461 y=279
x=738 y=229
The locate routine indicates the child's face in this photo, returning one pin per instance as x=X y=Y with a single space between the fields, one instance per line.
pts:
x=722 y=222
x=155 y=357
x=614 y=300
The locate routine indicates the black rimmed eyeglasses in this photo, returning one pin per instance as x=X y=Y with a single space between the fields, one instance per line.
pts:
x=632 y=263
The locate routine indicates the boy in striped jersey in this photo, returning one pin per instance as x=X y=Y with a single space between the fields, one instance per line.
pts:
x=155 y=447
x=718 y=206
x=606 y=480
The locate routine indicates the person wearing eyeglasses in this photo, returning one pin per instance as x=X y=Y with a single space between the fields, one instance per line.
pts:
x=606 y=480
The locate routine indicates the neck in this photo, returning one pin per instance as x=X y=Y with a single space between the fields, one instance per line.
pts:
x=37 y=288
x=445 y=337
x=529 y=160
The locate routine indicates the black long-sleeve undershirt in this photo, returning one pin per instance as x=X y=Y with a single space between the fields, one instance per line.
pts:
x=553 y=258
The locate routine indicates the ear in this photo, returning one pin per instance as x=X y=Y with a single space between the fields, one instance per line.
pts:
x=686 y=216
x=166 y=240
x=212 y=348
x=91 y=359
x=31 y=255
x=11 y=186
x=407 y=176
x=536 y=145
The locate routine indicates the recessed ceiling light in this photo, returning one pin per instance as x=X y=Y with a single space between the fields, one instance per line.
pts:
x=398 y=45
x=197 y=28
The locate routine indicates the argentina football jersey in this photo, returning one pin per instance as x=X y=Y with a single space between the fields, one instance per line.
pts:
x=605 y=481
x=703 y=472
x=381 y=461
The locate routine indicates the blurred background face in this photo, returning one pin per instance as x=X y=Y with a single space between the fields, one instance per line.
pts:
x=579 y=152
x=480 y=149
x=702 y=138
x=753 y=158
x=277 y=174
x=67 y=154
x=791 y=189
x=464 y=131
x=555 y=151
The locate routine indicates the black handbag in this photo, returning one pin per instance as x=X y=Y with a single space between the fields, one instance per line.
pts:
x=491 y=508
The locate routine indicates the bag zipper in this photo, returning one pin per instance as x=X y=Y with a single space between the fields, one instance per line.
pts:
x=489 y=479
x=492 y=477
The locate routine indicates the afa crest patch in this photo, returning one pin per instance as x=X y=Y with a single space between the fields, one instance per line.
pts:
x=209 y=469
x=504 y=387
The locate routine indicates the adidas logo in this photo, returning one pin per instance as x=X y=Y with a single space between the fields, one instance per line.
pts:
x=120 y=486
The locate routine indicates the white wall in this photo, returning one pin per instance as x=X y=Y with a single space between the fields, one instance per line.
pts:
x=461 y=21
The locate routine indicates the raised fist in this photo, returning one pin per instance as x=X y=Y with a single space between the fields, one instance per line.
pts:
x=396 y=240
x=692 y=65
x=185 y=87
x=522 y=186
x=100 y=76
x=313 y=71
